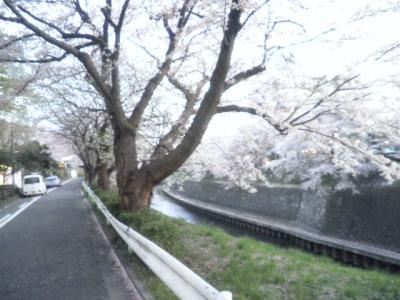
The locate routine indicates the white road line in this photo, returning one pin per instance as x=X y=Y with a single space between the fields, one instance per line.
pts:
x=4 y=218
x=8 y=218
x=14 y=215
x=65 y=182
x=23 y=205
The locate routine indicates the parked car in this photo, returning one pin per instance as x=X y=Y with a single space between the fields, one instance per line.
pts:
x=33 y=185
x=53 y=181
x=392 y=152
x=376 y=148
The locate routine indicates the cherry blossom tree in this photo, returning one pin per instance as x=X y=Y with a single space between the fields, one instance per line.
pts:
x=89 y=131
x=180 y=52
x=322 y=140
x=75 y=110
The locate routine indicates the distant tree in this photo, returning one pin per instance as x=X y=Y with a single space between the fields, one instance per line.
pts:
x=21 y=134
x=15 y=80
x=33 y=156
x=89 y=130
x=5 y=161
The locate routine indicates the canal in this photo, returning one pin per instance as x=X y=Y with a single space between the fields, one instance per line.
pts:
x=163 y=203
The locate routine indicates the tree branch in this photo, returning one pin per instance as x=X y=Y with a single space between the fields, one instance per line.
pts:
x=82 y=13
x=344 y=143
x=165 y=144
x=155 y=81
x=316 y=116
x=244 y=75
x=250 y=110
x=253 y=12
x=107 y=15
x=339 y=87
x=35 y=61
x=164 y=166
x=13 y=41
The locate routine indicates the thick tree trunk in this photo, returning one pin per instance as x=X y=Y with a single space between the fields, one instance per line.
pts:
x=135 y=186
x=136 y=182
x=136 y=194
x=89 y=174
x=103 y=179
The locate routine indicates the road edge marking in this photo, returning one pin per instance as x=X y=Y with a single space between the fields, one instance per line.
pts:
x=67 y=181
x=20 y=210
x=130 y=284
x=9 y=217
x=3 y=219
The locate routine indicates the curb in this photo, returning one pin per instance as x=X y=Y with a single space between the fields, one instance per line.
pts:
x=133 y=288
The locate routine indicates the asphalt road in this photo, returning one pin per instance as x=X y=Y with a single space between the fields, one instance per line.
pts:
x=52 y=248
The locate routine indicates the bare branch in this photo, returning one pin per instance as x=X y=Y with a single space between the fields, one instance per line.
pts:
x=164 y=166
x=107 y=15
x=13 y=41
x=168 y=28
x=253 y=12
x=316 y=116
x=244 y=75
x=22 y=20
x=155 y=81
x=250 y=110
x=344 y=143
x=24 y=86
x=40 y=20
x=388 y=50
x=9 y=19
x=118 y=29
x=82 y=13
x=63 y=34
x=122 y=14
x=185 y=91
x=166 y=142
x=339 y=87
x=291 y=114
x=47 y=59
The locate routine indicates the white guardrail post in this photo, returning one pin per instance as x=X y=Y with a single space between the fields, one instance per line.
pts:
x=182 y=281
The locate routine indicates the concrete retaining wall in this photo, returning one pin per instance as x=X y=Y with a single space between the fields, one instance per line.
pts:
x=371 y=217
x=6 y=191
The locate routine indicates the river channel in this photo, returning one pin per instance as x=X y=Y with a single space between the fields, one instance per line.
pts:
x=168 y=206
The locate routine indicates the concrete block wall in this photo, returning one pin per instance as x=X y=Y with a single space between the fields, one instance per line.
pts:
x=371 y=217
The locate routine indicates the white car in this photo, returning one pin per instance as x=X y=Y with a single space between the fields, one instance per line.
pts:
x=33 y=185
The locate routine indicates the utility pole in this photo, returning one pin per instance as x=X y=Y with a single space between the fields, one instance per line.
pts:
x=12 y=155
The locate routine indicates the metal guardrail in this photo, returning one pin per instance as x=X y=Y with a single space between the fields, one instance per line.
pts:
x=182 y=281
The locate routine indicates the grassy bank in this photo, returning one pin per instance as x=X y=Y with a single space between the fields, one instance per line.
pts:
x=251 y=269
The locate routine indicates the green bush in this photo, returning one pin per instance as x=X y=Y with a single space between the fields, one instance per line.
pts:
x=155 y=226
x=110 y=200
x=164 y=231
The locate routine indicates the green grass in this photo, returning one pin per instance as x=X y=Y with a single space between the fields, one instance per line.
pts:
x=251 y=269
x=110 y=199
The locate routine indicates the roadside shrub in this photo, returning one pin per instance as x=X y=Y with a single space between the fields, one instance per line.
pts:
x=166 y=232
x=110 y=200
